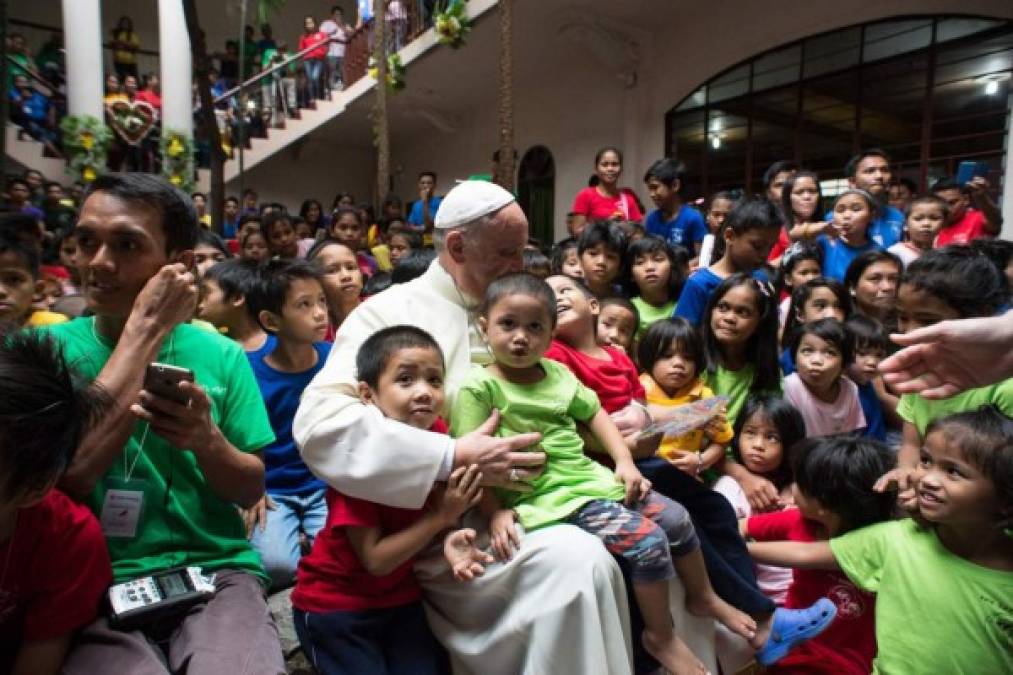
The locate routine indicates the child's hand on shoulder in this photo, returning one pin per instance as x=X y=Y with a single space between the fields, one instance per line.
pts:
x=504 y=534
x=462 y=492
x=637 y=486
x=466 y=560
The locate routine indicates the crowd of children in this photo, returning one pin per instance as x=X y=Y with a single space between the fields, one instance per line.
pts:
x=872 y=496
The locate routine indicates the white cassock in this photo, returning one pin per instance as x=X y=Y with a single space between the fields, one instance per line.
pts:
x=559 y=606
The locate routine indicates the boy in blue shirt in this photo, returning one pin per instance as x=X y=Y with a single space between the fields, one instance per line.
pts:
x=678 y=224
x=872 y=344
x=289 y=303
x=224 y=288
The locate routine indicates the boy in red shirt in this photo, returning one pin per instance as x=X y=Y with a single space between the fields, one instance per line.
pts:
x=964 y=223
x=43 y=600
x=833 y=491
x=357 y=605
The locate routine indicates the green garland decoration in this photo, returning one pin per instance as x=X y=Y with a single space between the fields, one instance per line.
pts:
x=395 y=72
x=452 y=24
x=177 y=151
x=86 y=141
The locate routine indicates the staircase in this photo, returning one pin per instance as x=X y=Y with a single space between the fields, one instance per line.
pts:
x=260 y=149
x=27 y=152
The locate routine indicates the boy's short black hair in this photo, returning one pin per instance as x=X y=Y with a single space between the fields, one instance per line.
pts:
x=956 y=275
x=984 y=438
x=829 y=330
x=851 y=168
x=414 y=264
x=666 y=171
x=947 y=184
x=839 y=472
x=431 y=174
x=237 y=277
x=603 y=232
x=620 y=301
x=19 y=226
x=28 y=256
x=929 y=199
x=234 y=200
x=520 y=283
x=378 y=349
x=413 y=238
x=275 y=280
x=45 y=409
x=15 y=180
x=662 y=334
x=868 y=333
x=179 y=219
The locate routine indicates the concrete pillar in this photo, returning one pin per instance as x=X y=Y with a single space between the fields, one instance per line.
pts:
x=83 y=42
x=174 y=63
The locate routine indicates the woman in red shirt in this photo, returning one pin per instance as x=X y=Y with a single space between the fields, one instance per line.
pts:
x=606 y=200
x=313 y=61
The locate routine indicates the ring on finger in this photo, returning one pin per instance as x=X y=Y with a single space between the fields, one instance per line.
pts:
x=514 y=476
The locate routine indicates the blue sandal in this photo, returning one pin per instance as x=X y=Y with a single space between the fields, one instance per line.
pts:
x=792 y=627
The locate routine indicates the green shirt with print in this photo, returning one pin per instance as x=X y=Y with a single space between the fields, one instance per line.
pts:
x=182 y=521
x=737 y=385
x=552 y=407
x=965 y=610
x=921 y=411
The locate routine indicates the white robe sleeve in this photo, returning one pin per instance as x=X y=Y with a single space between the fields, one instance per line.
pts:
x=353 y=447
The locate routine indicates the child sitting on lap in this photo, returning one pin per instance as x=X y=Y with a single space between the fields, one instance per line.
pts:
x=356 y=603
x=531 y=392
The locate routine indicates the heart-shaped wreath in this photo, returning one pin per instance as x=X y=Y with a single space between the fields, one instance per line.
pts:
x=131 y=120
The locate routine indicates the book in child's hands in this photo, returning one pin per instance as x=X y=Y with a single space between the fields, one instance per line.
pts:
x=684 y=418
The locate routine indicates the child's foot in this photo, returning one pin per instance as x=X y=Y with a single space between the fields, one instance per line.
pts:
x=709 y=604
x=672 y=653
x=792 y=627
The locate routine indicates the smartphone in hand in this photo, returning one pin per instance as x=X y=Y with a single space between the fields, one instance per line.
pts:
x=162 y=379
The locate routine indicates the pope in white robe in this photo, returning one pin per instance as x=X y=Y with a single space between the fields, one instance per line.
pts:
x=559 y=605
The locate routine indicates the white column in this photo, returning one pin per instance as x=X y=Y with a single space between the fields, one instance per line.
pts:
x=83 y=42
x=1007 y=182
x=174 y=62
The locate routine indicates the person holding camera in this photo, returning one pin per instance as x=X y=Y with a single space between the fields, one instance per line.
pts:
x=167 y=465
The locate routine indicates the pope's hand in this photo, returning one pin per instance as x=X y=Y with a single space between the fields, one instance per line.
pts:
x=502 y=461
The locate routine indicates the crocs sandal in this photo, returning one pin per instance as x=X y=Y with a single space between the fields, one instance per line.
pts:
x=792 y=627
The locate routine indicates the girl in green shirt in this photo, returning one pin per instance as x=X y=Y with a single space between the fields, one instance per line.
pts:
x=658 y=272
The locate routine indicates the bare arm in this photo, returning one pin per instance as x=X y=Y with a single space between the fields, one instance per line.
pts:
x=42 y=657
x=815 y=555
x=382 y=555
x=608 y=435
x=166 y=300
x=988 y=208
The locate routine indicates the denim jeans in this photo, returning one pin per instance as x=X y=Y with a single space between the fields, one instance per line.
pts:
x=278 y=542
x=314 y=69
x=334 y=64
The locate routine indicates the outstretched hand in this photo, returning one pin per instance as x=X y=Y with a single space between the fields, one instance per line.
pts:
x=466 y=560
x=946 y=358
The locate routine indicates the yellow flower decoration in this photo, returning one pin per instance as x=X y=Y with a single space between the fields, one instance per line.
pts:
x=89 y=174
x=175 y=147
x=175 y=179
x=87 y=141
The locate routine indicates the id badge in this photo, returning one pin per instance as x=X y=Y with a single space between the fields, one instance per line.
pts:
x=122 y=508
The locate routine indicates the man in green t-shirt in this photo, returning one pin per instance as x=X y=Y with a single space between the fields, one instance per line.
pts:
x=163 y=477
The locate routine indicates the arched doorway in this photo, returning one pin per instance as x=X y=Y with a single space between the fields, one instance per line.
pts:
x=537 y=190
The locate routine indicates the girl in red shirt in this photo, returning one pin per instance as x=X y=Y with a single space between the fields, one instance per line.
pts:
x=606 y=200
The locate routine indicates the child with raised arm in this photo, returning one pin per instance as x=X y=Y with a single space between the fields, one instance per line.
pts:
x=357 y=605
x=655 y=535
x=943 y=582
